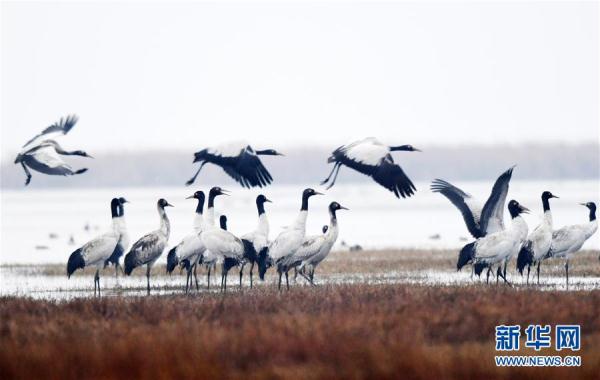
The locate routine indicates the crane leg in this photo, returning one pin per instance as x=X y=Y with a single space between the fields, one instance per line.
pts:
x=567 y=271
x=148 y=279
x=528 y=270
x=187 y=281
x=538 y=271
x=97 y=281
x=191 y=180
x=337 y=170
x=251 y=269
x=487 y=279
x=498 y=273
x=27 y=173
x=287 y=282
x=196 y=276
x=330 y=173
x=208 y=279
x=241 y=274
x=503 y=277
x=279 y=285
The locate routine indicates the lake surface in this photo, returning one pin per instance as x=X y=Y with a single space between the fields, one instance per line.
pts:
x=45 y=226
x=32 y=281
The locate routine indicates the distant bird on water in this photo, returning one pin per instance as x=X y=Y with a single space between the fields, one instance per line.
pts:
x=148 y=249
x=44 y=155
x=239 y=160
x=98 y=250
x=123 y=243
x=538 y=242
x=569 y=239
x=373 y=158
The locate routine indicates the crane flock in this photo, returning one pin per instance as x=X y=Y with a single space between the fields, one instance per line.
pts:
x=209 y=243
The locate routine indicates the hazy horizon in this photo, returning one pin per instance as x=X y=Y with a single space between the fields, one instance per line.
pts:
x=186 y=75
x=307 y=165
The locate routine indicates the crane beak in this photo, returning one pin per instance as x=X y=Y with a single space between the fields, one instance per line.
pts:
x=344 y=208
x=417 y=150
x=225 y=192
x=268 y=200
x=554 y=196
x=169 y=205
x=317 y=193
x=583 y=204
x=524 y=210
x=190 y=197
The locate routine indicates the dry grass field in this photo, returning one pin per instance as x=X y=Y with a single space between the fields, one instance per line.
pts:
x=349 y=331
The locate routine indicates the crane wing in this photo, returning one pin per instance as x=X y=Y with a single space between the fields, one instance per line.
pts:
x=393 y=178
x=463 y=201
x=63 y=126
x=492 y=215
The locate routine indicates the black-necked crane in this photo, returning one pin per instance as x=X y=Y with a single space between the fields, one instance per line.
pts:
x=148 y=248
x=567 y=240
x=239 y=160
x=496 y=248
x=98 y=250
x=218 y=241
x=315 y=248
x=44 y=155
x=123 y=244
x=256 y=242
x=189 y=251
x=289 y=240
x=373 y=158
x=538 y=242
x=479 y=220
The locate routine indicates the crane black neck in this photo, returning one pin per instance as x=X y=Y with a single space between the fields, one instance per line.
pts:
x=260 y=206
x=400 y=148
x=114 y=208
x=514 y=212
x=211 y=200
x=200 y=206
x=121 y=209
x=304 y=202
x=592 y=214
x=546 y=203
x=332 y=214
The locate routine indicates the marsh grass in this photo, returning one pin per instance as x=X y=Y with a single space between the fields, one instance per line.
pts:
x=584 y=263
x=349 y=331
x=340 y=331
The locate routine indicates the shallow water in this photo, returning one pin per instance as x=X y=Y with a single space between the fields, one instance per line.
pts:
x=30 y=281
x=45 y=226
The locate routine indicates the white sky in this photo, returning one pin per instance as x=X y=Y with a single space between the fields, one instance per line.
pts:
x=191 y=75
